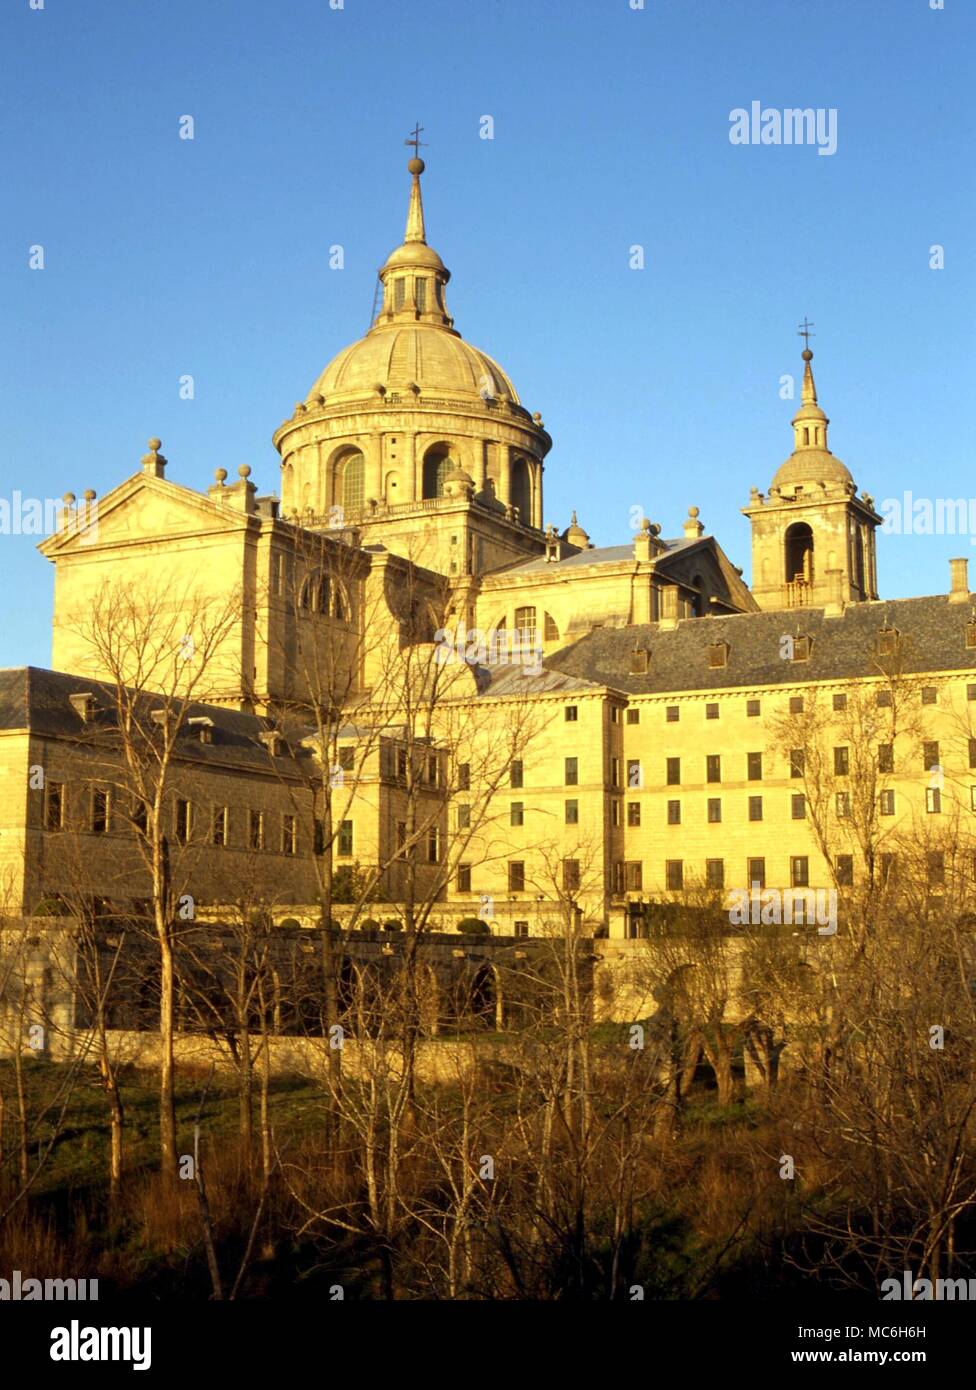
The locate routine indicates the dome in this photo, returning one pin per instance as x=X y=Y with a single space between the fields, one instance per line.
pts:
x=403 y=355
x=811 y=466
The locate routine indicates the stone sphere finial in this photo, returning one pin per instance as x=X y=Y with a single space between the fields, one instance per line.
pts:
x=693 y=512
x=155 y=444
x=220 y=475
x=655 y=528
x=807 y=355
x=415 y=166
x=68 y=499
x=244 y=471
x=89 y=494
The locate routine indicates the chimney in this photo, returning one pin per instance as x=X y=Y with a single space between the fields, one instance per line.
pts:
x=959 y=587
x=153 y=463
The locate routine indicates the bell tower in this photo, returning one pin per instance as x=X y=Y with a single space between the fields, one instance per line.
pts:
x=813 y=537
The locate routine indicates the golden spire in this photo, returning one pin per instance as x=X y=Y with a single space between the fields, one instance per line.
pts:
x=415 y=212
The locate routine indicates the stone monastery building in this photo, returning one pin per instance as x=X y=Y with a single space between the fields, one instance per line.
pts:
x=401 y=667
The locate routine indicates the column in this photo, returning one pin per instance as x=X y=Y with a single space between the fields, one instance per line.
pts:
x=408 y=468
x=504 y=456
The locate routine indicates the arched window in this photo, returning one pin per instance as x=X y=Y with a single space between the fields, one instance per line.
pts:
x=522 y=491
x=341 y=608
x=551 y=630
x=859 y=559
x=799 y=553
x=437 y=464
x=322 y=603
x=305 y=597
x=353 y=482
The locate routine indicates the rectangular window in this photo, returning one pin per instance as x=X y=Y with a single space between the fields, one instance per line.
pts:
x=842 y=803
x=572 y=772
x=713 y=767
x=972 y=752
x=796 y=704
x=933 y=800
x=289 y=834
x=615 y=772
x=571 y=875
x=635 y=778
x=930 y=755
x=633 y=875
x=347 y=758
x=971 y=692
x=572 y=813
x=521 y=929
x=800 y=871
x=842 y=762
x=674 y=772
x=345 y=839
x=431 y=771
x=796 y=762
x=756 y=870
x=715 y=873
x=618 y=876
x=615 y=812
x=936 y=869
x=401 y=764
x=614 y=714
x=464 y=817
x=464 y=777
x=845 y=870
x=674 y=813
x=672 y=713
x=464 y=878
x=886 y=757
x=516 y=876
x=753 y=709
x=516 y=813
x=99 y=811
x=516 y=775
x=755 y=808
x=433 y=845
x=633 y=716
x=972 y=798
x=887 y=803
x=218 y=826
x=140 y=816
x=420 y=293
x=798 y=806
x=318 y=837
x=525 y=627
x=399 y=293
x=840 y=702
x=711 y=711
x=929 y=694
x=882 y=699
x=570 y=714
x=714 y=810
x=182 y=826
x=754 y=767
x=633 y=812
x=674 y=875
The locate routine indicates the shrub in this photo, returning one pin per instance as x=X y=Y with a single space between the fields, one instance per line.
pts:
x=474 y=925
x=391 y=924
x=369 y=924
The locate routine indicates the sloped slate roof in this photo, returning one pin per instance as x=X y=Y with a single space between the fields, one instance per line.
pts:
x=932 y=639
x=36 y=699
x=599 y=555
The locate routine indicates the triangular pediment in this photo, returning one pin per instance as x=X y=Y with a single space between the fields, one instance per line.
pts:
x=142 y=508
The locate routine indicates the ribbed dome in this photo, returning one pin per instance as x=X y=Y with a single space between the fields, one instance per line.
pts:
x=812 y=466
x=402 y=355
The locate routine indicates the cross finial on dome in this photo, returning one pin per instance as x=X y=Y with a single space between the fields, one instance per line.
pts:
x=415 y=212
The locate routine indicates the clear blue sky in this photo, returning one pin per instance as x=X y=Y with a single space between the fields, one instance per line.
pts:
x=660 y=387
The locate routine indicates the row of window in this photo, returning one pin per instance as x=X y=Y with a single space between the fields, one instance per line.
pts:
x=101 y=820
x=754 y=766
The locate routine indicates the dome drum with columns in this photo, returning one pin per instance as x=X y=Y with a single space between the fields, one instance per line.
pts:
x=395 y=419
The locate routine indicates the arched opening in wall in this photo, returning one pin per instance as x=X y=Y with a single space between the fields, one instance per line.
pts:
x=323 y=594
x=482 y=998
x=522 y=491
x=306 y=596
x=340 y=604
x=551 y=629
x=353 y=482
x=288 y=486
x=437 y=464
x=859 y=559
x=391 y=489
x=799 y=553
